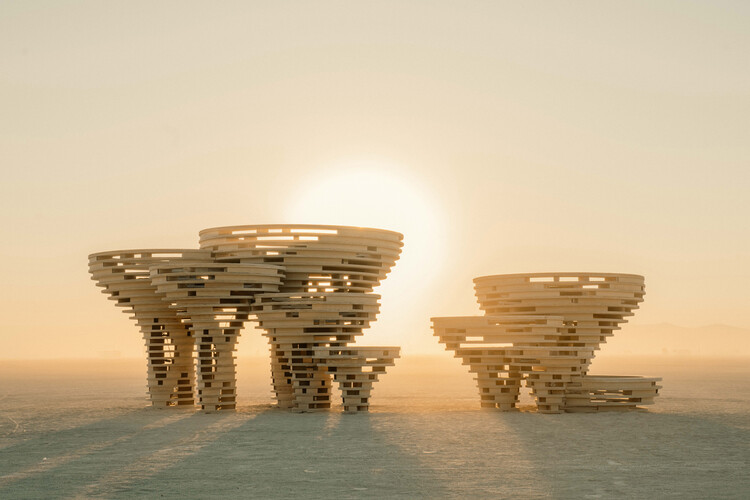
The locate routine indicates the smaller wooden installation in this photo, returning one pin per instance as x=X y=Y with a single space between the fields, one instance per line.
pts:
x=544 y=329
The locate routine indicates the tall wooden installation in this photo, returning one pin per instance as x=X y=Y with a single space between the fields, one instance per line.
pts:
x=544 y=328
x=310 y=287
x=325 y=301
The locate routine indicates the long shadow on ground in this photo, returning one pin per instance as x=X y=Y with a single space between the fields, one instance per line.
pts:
x=266 y=453
x=277 y=454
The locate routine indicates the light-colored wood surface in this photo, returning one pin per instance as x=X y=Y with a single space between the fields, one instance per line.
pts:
x=355 y=370
x=213 y=299
x=125 y=277
x=545 y=328
x=324 y=301
x=502 y=351
x=310 y=287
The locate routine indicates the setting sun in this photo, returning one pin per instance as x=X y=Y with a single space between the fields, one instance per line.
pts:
x=374 y=249
x=373 y=194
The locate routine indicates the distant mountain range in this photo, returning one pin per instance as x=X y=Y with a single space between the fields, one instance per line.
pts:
x=667 y=339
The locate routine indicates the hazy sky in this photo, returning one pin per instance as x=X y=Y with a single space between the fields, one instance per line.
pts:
x=497 y=136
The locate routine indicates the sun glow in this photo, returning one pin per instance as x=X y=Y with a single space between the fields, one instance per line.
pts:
x=370 y=194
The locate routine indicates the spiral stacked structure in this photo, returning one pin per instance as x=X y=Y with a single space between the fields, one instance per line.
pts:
x=310 y=288
x=214 y=300
x=325 y=299
x=126 y=279
x=545 y=328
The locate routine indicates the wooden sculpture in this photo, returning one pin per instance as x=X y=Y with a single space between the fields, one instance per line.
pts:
x=310 y=287
x=355 y=370
x=125 y=278
x=324 y=301
x=545 y=328
x=214 y=299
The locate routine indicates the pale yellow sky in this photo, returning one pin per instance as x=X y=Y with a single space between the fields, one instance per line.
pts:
x=497 y=136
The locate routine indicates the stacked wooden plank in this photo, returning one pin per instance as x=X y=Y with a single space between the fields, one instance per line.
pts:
x=595 y=393
x=295 y=325
x=214 y=298
x=355 y=369
x=584 y=309
x=502 y=351
x=125 y=277
x=593 y=305
x=309 y=286
x=324 y=301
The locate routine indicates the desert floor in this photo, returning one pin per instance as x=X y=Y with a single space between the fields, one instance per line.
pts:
x=82 y=430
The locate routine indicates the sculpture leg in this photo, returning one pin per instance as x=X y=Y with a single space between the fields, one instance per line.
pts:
x=216 y=368
x=170 y=369
x=311 y=382
x=281 y=374
x=355 y=386
x=356 y=370
x=499 y=392
x=158 y=390
x=183 y=368
x=549 y=391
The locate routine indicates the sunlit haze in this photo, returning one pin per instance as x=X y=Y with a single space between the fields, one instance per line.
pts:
x=498 y=139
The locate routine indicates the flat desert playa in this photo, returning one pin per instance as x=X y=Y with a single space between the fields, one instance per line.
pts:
x=66 y=435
